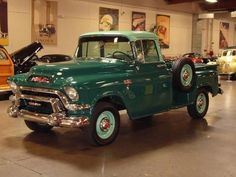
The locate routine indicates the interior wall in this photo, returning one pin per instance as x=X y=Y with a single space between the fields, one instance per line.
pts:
x=216 y=33
x=78 y=16
x=210 y=29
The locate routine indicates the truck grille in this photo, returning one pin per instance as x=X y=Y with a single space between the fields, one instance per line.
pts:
x=43 y=101
x=36 y=106
x=32 y=93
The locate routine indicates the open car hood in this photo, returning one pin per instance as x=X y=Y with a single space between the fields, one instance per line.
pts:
x=24 y=54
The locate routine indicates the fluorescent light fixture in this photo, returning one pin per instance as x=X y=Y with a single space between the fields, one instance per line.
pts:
x=206 y=15
x=211 y=1
x=233 y=14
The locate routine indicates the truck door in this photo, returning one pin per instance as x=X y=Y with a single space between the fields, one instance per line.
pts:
x=6 y=69
x=152 y=83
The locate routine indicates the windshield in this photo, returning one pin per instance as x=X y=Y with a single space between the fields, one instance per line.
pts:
x=91 y=48
x=226 y=53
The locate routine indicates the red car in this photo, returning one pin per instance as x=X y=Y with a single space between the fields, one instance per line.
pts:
x=196 y=57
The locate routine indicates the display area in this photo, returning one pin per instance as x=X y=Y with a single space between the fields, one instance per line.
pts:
x=113 y=88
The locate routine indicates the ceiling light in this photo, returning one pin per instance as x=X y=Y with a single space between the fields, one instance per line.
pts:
x=233 y=14
x=206 y=15
x=211 y=1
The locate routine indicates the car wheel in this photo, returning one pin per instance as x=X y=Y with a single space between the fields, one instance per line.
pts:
x=37 y=127
x=199 y=108
x=184 y=74
x=233 y=76
x=104 y=126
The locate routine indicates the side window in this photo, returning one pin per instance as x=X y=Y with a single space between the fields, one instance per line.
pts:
x=234 y=53
x=146 y=51
x=150 y=51
x=139 y=51
x=2 y=55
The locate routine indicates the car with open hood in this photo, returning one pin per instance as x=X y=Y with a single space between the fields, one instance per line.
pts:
x=18 y=62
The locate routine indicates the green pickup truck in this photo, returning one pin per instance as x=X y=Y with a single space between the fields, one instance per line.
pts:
x=111 y=71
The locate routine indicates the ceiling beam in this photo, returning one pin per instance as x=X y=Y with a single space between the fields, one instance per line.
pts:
x=221 y=5
x=180 y=1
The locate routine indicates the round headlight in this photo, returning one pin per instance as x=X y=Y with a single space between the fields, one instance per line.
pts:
x=72 y=93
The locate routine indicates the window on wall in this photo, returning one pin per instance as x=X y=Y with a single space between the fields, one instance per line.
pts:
x=146 y=51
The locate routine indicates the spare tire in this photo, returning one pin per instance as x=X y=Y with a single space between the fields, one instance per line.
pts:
x=184 y=76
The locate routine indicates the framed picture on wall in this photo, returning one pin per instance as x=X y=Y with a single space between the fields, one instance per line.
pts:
x=108 y=19
x=163 y=30
x=224 y=35
x=3 y=23
x=138 y=21
x=44 y=21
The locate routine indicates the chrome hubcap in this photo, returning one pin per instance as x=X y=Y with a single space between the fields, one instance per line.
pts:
x=105 y=124
x=186 y=75
x=201 y=103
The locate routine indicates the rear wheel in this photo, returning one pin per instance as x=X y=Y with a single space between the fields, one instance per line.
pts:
x=104 y=126
x=37 y=127
x=199 y=108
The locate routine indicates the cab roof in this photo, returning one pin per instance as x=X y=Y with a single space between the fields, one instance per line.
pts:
x=131 y=35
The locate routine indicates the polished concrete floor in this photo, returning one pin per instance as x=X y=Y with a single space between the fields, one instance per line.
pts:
x=168 y=145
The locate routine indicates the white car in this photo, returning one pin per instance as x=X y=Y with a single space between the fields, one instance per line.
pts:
x=227 y=63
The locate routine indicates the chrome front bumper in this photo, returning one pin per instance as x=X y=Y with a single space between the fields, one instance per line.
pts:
x=56 y=118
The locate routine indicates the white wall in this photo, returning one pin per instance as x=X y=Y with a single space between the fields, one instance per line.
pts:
x=77 y=16
x=211 y=31
x=216 y=33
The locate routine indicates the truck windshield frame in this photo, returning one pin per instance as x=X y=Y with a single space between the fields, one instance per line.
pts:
x=117 y=47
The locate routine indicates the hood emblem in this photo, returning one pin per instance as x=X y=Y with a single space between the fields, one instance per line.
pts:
x=127 y=83
x=40 y=79
x=34 y=103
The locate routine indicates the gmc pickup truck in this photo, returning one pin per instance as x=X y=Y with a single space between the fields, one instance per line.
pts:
x=111 y=71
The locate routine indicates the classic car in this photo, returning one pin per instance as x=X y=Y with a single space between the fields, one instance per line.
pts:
x=227 y=63
x=47 y=30
x=111 y=71
x=53 y=58
x=18 y=62
x=196 y=57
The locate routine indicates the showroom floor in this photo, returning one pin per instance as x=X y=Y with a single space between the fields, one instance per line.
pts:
x=168 y=145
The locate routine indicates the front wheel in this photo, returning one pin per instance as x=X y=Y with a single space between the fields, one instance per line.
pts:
x=199 y=108
x=105 y=124
x=37 y=127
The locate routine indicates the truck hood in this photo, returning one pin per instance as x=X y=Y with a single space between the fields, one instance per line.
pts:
x=78 y=68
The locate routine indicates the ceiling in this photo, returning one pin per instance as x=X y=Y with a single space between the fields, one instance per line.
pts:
x=221 y=5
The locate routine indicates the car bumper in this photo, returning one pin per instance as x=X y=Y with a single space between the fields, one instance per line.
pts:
x=36 y=107
x=54 y=119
